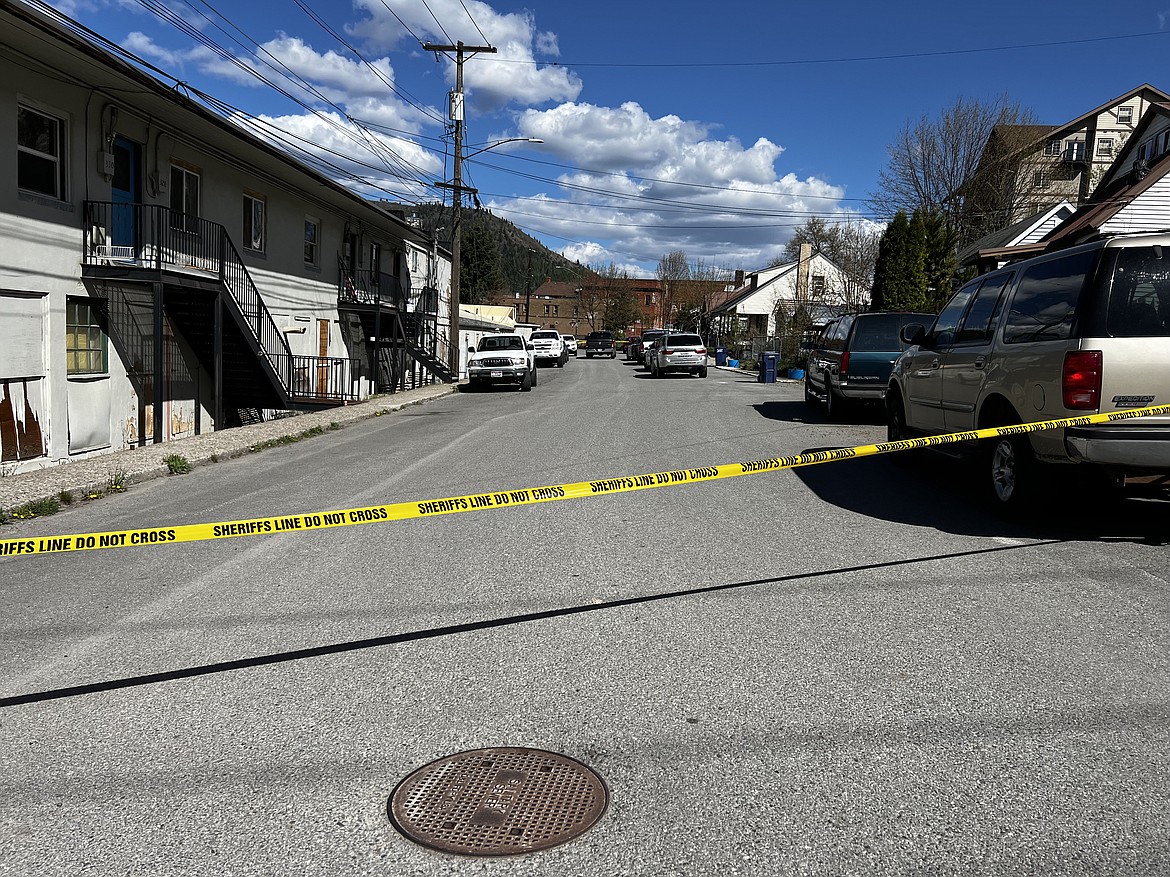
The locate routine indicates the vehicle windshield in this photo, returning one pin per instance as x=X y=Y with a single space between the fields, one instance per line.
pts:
x=501 y=342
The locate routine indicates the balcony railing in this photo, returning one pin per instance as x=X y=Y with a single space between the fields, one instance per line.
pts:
x=362 y=286
x=155 y=237
x=326 y=378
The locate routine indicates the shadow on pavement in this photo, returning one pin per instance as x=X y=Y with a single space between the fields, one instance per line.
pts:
x=948 y=495
x=468 y=627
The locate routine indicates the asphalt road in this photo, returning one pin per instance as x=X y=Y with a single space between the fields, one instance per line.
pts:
x=851 y=668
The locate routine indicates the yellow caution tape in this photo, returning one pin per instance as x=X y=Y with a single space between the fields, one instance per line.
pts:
x=528 y=496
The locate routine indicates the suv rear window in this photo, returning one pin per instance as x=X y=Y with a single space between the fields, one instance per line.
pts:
x=877 y=332
x=1139 y=302
x=684 y=340
x=1044 y=306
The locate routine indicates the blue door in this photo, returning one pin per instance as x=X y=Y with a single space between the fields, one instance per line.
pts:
x=126 y=194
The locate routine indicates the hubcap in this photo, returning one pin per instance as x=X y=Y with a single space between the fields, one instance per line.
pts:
x=1003 y=471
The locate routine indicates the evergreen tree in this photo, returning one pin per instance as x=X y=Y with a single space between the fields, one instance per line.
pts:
x=900 y=275
x=621 y=311
x=479 y=271
x=940 y=264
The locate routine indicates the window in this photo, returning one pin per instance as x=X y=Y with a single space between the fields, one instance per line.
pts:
x=1105 y=146
x=184 y=199
x=312 y=240
x=556 y=310
x=977 y=326
x=85 y=341
x=546 y=310
x=1052 y=148
x=942 y=333
x=254 y=223
x=1040 y=180
x=1045 y=303
x=40 y=153
x=649 y=300
x=818 y=284
x=1125 y=115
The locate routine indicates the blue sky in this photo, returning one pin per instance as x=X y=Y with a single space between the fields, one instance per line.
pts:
x=710 y=128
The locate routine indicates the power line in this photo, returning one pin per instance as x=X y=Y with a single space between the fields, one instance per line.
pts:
x=678 y=65
x=473 y=22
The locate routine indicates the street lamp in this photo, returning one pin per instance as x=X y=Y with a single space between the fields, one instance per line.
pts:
x=458 y=189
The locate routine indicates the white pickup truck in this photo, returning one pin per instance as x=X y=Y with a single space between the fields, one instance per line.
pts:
x=504 y=358
x=548 y=346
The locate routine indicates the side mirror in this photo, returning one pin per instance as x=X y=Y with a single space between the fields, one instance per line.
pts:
x=912 y=334
x=471 y=350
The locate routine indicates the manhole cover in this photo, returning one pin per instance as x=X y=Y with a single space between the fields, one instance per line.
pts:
x=498 y=802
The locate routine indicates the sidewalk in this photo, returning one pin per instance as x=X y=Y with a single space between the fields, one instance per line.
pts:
x=96 y=474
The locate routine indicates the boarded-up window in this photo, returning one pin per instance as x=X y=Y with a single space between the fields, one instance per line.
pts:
x=22 y=351
x=21 y=416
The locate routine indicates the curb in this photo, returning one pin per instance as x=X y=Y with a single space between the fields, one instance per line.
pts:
x=98 y=475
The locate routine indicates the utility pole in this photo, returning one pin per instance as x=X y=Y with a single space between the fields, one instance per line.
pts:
x=456 y=115
x=528 y=285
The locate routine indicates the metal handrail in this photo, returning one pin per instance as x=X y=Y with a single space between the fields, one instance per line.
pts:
x=153 y=236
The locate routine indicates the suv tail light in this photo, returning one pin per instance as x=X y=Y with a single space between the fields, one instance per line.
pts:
x=1080 y=382
x=845 y=361
x=668 y=351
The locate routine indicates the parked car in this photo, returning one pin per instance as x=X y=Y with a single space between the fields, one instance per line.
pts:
x=504 y=358
x=851 y=360
x=570 y=344
x=600 y=344
x=1081 y=330
x=636 y=350
x=548 y=347
x=679 y=352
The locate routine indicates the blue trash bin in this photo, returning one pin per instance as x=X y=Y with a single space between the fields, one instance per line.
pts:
x=721 y=356
x=769 y=364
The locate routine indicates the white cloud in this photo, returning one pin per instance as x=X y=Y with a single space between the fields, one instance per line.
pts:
x=375 y=165
x=511 y=75
x=652 y=185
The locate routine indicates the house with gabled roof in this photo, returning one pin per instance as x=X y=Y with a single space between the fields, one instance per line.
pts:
x=991 y=251
x=759 y=303
x=1134 y=193
x=1054 y=163
x=1132 y=197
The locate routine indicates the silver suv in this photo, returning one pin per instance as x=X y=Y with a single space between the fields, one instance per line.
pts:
x=678 y=353
x=1075 y=331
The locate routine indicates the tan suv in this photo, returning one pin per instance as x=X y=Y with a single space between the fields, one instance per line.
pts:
x=1075 y=331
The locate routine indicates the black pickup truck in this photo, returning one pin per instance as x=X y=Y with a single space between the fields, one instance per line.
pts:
x=600 y=344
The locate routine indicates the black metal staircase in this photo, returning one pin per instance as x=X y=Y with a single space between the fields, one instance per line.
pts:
x=200 y=271
x=408 y=347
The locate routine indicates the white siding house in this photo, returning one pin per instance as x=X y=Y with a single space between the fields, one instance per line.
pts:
x=767 y=297
x=164 y=273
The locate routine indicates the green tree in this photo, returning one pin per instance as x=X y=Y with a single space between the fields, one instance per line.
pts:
x=479 y=271
x=900 y=274
x=621 y=311
x=939 y=262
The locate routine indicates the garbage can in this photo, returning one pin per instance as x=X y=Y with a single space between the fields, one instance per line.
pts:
x=769 y=363
x=721 y=356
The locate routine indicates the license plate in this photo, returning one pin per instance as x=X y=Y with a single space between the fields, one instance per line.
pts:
x=497 y=374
